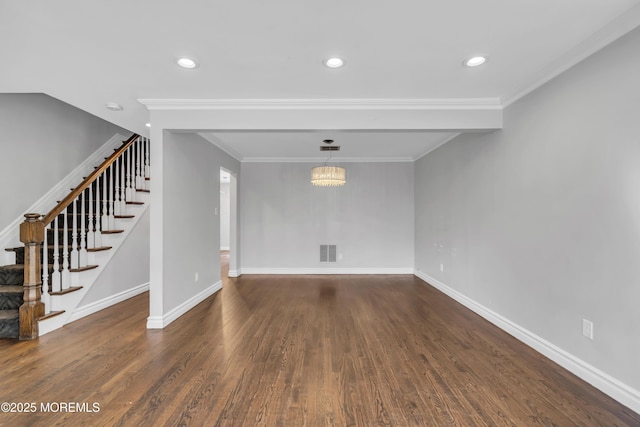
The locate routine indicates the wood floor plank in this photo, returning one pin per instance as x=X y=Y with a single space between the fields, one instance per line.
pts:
x=299 y=351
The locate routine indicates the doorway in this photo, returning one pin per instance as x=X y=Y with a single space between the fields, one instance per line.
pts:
x=228 y=223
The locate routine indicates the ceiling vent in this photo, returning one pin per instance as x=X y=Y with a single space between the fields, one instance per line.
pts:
x=329 y=148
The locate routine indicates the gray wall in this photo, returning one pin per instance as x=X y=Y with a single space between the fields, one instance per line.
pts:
x=128 y=268
x=50 y=138
x=540 y=222
x=285 y=219
x=191 y=231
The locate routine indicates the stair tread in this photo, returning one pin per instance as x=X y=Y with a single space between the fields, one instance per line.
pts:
x=9 y=314
x=66 y=291
x=100 y=248
x=50 y=315
x=135 y=203
x=85 y=268
x=112 y=231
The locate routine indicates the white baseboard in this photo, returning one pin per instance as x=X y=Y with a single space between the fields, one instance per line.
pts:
x=94 y=307
x=233 y=273
x=619 y=391
x=160 y=322
x=331 y=270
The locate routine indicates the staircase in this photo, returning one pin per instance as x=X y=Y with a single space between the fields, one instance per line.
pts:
x=11 y=291
x=65 y=250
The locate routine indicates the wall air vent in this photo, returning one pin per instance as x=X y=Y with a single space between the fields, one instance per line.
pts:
x=329 y=148
x=327 y=253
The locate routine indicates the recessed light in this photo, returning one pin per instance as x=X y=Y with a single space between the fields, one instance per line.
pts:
x=187 y=63
x=114 y=106
x=475 y=61
x=334 y=62
x=148 y=125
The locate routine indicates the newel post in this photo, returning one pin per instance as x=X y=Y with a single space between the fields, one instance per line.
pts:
x=32 y=235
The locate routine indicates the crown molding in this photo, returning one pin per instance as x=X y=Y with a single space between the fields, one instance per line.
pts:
x=615 y=29
x=334 y=160
x=324 y=104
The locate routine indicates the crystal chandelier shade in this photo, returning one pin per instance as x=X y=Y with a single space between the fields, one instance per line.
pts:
x=328 y=176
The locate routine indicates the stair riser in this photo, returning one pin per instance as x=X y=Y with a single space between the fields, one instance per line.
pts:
x=9 y=328
x=11 y=277
x=10 y=301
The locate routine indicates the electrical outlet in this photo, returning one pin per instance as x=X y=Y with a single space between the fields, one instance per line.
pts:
x=196 y=276
x=441 y=268
x=587 y=328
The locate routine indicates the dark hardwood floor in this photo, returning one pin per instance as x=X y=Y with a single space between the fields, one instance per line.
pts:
x=298 y=351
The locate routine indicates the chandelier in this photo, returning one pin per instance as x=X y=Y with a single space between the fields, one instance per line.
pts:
x=328 y=176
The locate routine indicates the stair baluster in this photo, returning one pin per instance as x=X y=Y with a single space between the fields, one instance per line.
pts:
x=98 y=233
x=91 y=235
x=65 y=275
x=82 y=254
x=75 y=258
x=110 y=197
x=127 y=158
x=123 y=185
x=139 y=184
x=56 y=279
x=104 y=224
x=130 y=178
x=147 y=168
x=117 y=209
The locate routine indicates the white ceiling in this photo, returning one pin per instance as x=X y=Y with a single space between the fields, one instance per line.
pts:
x=88 y=53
